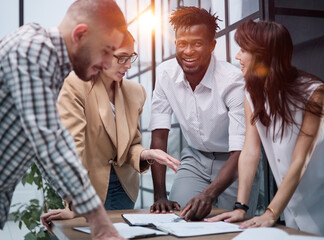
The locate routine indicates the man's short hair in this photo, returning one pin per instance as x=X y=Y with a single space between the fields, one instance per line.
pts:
x=103 y=12
x=190 y=16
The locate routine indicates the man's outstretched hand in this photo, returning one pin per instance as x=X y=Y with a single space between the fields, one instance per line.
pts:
x=197 y=208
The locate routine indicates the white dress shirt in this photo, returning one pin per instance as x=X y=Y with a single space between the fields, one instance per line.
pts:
x=212 y=116
x=305 y=209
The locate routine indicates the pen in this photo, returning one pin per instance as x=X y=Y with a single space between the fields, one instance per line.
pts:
x=178 y=219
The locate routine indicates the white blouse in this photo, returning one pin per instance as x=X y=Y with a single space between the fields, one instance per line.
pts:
x=113 y=109
x=305 y=210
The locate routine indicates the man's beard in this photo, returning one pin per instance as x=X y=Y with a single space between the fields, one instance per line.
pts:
x=81 y=63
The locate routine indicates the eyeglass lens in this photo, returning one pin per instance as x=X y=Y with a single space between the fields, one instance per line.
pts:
x=124 y=59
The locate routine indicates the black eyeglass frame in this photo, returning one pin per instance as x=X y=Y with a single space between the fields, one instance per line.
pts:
x=123 y=59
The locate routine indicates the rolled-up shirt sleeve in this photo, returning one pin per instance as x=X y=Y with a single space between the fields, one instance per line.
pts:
x=234 y=101
x=161 y=110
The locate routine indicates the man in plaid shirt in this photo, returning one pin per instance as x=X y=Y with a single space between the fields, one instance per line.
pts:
x=33 y=64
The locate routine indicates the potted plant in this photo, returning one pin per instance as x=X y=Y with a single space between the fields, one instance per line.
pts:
x=29 y=213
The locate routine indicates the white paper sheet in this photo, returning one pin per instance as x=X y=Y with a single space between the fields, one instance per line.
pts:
x=128 y=231
x=150 y=219
x=188 y=229
x=270 y=234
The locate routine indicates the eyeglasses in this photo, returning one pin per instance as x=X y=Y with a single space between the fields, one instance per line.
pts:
x=124 y=59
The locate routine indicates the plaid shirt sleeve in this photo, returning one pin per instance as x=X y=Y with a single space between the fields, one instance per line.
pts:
x=33 y=85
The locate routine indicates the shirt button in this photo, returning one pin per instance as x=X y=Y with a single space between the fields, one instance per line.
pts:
x=111 y=161
x=278 y=160
x=295 y=214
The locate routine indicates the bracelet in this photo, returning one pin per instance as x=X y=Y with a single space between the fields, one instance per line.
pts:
x=150 y=161
x=271 y=210
x=242 y=206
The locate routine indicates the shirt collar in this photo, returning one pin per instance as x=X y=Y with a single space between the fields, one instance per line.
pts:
x=208 y=77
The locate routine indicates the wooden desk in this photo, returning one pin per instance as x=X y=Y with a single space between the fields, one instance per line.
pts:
x=64 y=229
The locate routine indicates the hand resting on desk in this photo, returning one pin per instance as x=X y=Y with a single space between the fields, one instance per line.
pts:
x=164 y=205
x=57 y=214
x=100 y=225
x=265 y=220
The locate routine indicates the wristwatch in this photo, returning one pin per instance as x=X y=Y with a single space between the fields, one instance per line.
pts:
x=238 y=205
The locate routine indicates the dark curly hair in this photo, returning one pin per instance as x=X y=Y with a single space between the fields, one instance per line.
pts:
x=189 y=16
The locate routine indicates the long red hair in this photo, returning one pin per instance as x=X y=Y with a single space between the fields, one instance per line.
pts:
x=271 y=77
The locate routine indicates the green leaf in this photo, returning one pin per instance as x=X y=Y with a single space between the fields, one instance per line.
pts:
x=41 y=234
x=30 y=236
x=24 y=179
x=30 y=179
x=35 y=201
x=27 y=223
x=15 y=204
x=32 y=226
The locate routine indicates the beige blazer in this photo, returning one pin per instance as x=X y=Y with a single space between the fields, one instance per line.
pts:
x=102 y=142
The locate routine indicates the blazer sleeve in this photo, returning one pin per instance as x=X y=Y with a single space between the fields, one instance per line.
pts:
x=136 y=148
x=70 y=106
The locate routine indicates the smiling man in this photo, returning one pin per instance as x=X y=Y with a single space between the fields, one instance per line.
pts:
x=207 y=97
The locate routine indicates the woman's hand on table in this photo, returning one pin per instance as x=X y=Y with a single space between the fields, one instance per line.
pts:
x=265 y=220
x=57 y=214
x=233 y=216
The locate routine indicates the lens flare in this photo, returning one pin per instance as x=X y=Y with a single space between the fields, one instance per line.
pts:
x=147 y=21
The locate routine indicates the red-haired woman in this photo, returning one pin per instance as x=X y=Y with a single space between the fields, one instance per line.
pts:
x=284 y=110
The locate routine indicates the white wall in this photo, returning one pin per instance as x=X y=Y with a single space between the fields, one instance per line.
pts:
x=48 y=13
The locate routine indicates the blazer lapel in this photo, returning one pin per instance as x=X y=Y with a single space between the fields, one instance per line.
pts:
x=105 y=110
x=121 y=122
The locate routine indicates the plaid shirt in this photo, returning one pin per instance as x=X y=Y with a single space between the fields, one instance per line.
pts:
x=33 y=65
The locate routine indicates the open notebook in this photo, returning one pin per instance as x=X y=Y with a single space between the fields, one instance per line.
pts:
x=173 y=224
x=167 y=224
